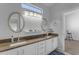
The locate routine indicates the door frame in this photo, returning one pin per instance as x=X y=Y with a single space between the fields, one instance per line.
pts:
x=64 y=20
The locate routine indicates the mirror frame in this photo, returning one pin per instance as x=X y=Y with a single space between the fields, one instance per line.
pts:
x=44 y=23
x=9 y=22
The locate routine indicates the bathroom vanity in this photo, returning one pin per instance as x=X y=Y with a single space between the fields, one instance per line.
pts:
x=34 y=45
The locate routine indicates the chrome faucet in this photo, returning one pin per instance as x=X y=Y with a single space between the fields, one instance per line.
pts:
x=12 y=39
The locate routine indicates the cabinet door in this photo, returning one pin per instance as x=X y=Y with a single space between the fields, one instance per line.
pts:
x=9 y=52
x=54 y=43
x=41 y=48
x=51 y=45
x=20 y=50
x=48 y=46
x=30 y=49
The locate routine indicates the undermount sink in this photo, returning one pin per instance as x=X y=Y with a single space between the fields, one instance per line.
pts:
x=18 y=44
x=48 y=36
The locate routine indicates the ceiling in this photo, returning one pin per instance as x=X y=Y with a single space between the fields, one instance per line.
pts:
x=44 y=4
x=57 y=4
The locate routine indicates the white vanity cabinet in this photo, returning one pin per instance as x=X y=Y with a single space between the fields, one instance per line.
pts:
x=54 y=43
x=48 y=46
x=24 y=50
x=9 y=52
x=41 y=48
x=51 y=45
x=35 y=49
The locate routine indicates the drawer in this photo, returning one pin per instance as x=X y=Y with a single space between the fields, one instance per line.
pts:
x=41 y=51
x=20 y=51
x=41 y=48
x=42 y=43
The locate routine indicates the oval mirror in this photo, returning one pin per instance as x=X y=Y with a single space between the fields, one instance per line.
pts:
x=44 y=24
x=16 y=22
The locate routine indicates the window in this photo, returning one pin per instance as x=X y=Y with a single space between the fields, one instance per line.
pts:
x=31 y=7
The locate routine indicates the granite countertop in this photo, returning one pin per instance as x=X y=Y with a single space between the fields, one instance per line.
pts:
x=6 y=45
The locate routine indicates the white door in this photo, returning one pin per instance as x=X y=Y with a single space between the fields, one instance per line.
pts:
x=30 y=49
x=9 y=52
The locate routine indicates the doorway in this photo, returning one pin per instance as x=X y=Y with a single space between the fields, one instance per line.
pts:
x=72 y=32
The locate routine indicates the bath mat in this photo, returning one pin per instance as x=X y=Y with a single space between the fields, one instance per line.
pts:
x=55 y=52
